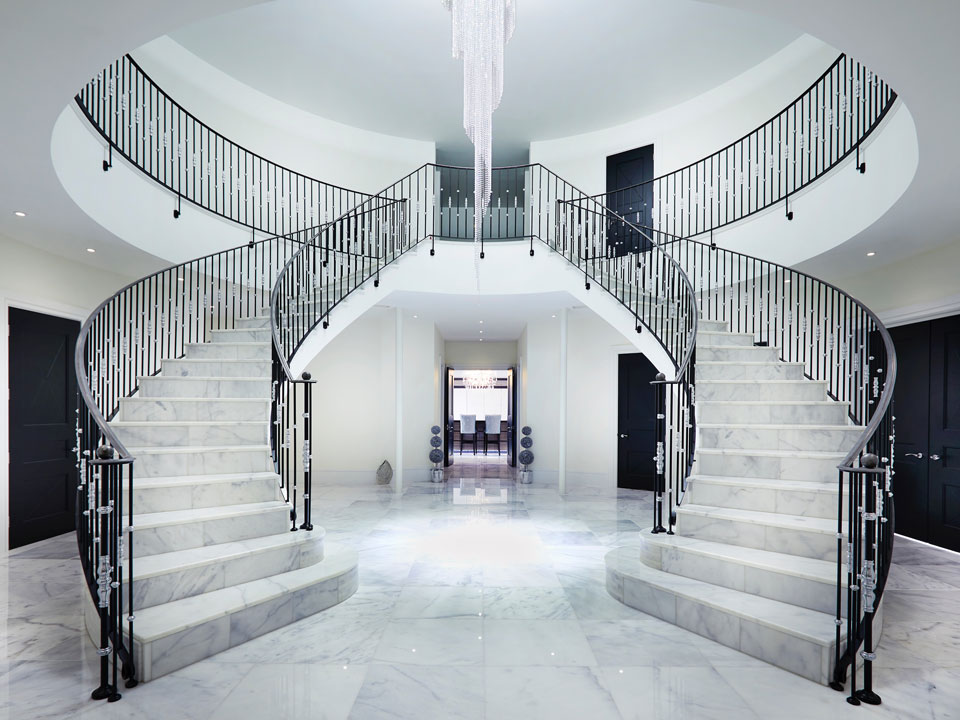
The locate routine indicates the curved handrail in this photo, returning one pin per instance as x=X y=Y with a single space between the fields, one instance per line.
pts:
x=170 y=145
x=813 y=134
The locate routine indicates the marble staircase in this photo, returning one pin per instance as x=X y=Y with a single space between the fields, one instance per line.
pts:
x=752 y=563
x=216 y=563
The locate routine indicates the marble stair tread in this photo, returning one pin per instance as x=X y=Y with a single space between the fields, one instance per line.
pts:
x=183 y=423
x=178 y=449
x=159 y=621
x=767 y=483
x=780 y=426
x=163 y=563
x=824 y=571
x=194 y=480
x=810 y=625
x=784 y=521
x=191 y=515
x=816 y=454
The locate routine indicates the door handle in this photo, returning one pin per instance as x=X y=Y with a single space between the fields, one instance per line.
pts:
x=919 y=455
x=622 y=435
x=934 y=457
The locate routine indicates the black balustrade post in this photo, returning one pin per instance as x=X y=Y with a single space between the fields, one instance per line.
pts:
x=868 y=580
x=307 y=423
x=659 y=459
x=104 y=574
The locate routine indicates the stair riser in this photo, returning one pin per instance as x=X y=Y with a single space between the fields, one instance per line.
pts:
x=224 y=351
x=805 y=543
x=759 y=391
x=205 y=494
x=202 y=462
x=178 y=650
x=724 y=338
x=252 y=323
x=186 y=535
x=754 y=466
x=770 y=414
x=786 y=502
x=809 y=593
x=715 y=326
x=738 y=371
x=192 y=435
x=818 y=440
x=224 y=369
x=802 y=657
x=735 y=353
x=137 y=410
x=188 y=582
x=242 y=335
x=158 y=387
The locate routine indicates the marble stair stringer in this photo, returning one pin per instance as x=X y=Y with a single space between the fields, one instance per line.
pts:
x=752 y=563
x=215 y=562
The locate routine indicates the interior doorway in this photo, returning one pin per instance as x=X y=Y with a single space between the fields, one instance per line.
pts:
x=43 y=396
x=480 y=409
x=630 y=195
x=636 y=422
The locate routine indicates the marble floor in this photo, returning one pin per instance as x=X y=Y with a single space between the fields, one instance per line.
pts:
x=478 y=599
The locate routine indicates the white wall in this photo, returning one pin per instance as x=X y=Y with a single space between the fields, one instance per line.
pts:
x=920 y=287
x=31 y=279
x=326 y=150
x=354 y=419
x=698 y=127
x=480 y=355
x=591 y=399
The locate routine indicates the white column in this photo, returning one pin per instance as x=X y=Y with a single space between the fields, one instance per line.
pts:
x=398 y=453
x=562 y=455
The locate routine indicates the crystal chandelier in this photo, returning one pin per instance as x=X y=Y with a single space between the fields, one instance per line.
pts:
x=480 y=380
x=481 y=29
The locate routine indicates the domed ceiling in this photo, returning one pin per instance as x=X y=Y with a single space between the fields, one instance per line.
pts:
x=572 y=66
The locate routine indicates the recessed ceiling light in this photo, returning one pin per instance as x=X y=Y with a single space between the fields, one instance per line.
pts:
x=871 y=254
x=481 y=332
x=481 y=322
x=414 y=317
x=19 y=213
x=481 y=339
x=553 y=316
x=91 y=250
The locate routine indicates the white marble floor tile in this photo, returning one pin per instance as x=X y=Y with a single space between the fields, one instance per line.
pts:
x=422 y=602
x=398 y=692
x=536 y=642
x=548 y=693
x=439 y=641
x=526 y=603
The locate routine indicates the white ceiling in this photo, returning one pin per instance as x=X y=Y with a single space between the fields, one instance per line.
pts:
x=463 y=317
x=571 y=67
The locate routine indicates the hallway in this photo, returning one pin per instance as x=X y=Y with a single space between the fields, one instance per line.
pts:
x=478 y=598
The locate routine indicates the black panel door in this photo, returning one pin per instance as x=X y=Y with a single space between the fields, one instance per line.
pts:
x=624 y=171
x=944 y=448
x=636 y=431
x=43 y=396
x=911 y=402
x=448 y=414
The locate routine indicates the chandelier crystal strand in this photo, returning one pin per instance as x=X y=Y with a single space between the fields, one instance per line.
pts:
x=481 y=30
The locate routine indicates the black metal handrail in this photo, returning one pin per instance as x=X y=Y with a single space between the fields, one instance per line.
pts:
x=128 y=337
x=142 y=123
x=823 y=126
x=842 y=343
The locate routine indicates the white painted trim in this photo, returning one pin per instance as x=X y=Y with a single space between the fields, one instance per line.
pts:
x=398 y=379
x=919 y=312
x=562 y=424
x=70 y=312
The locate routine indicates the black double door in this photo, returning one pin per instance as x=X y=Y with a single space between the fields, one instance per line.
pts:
x=630 y=196
x=636 y=422
x=42 y=414
x=927 y=411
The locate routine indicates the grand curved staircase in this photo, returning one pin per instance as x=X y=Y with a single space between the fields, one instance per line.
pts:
x=772 y=527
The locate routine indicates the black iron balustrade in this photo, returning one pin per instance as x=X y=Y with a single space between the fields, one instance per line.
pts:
x=830 y=121
x=143 y=124
x=842 y=343
x=125 y=339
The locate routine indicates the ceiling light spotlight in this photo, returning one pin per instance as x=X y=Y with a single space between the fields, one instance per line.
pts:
x=871 y=254
x=553 y=316
x=481 y=339
x=91 y=250
x=414 y=317
x=481 y=322
x=19 y=213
